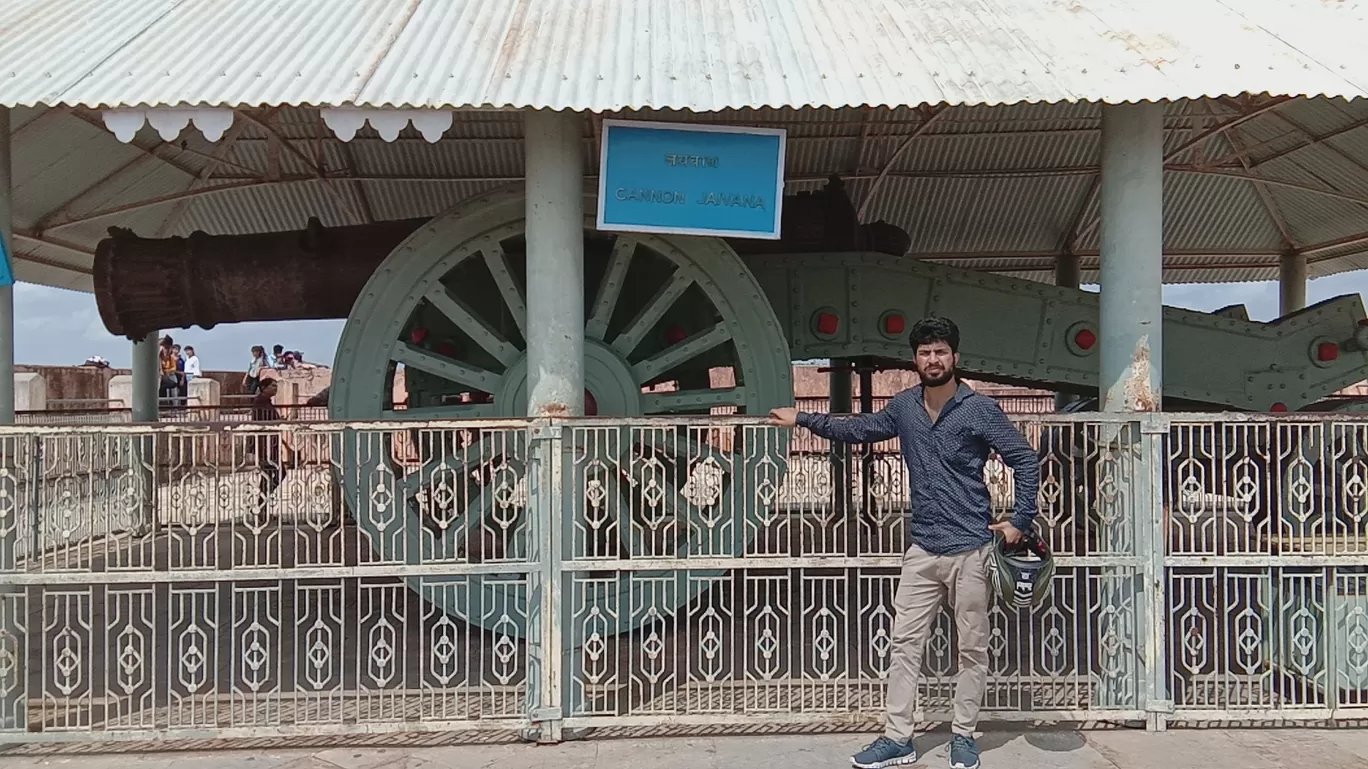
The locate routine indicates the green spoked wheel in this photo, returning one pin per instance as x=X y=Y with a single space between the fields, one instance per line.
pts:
x=673 y=326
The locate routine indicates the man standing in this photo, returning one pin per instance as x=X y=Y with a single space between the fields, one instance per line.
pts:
x=946 y=431
x=182 y=384
x=267 y=443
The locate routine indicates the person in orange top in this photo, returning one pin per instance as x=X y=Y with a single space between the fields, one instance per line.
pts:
x=169 y=386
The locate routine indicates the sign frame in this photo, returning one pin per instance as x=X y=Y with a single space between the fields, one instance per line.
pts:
x=609 y=123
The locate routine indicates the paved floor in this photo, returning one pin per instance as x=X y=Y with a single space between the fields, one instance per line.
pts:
x=1008 y=749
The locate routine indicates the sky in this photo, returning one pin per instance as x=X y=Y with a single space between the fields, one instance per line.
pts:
x=54 y=326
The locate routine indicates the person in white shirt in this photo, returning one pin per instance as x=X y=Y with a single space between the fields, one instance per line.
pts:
x=192 y=365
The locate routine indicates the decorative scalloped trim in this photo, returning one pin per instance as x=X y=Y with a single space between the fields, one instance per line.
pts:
x=169 y=123
x=432 y=124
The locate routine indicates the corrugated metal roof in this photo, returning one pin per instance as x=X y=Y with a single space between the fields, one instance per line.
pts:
x=700 y=55
x=991 y=188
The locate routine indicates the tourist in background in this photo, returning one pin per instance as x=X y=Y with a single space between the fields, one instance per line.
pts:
x=169 y=385
x=182 y=384
x=252 y=381
x=267 y=446
x=192 y=365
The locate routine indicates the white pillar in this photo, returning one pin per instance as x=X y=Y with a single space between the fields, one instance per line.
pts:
x=146 y=377
x=555 y=264
x=1291 y=283
x=6 y=292
x=555 y=381
x=1131 y=379
x=13 y=606
x=1132 y=274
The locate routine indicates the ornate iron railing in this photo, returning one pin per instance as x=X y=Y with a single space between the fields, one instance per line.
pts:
x=249 y=580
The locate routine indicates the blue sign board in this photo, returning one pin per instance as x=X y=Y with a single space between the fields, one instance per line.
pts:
x=691 y=179
x=6 y=269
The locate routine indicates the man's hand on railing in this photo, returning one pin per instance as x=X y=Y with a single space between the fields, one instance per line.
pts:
x=783 y=417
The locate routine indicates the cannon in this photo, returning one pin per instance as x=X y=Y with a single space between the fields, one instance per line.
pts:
x=444 y=298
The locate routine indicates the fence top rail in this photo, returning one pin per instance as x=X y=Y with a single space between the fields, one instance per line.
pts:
x=1159 y=420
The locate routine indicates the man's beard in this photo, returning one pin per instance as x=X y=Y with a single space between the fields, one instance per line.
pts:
x=929 y=381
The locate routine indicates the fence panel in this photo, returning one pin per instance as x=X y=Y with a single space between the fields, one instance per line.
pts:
x=1267 y=567
x=249 y=580
x=197 y=581
x=719 y=572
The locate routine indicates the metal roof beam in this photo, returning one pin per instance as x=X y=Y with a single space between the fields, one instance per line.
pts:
x=315 y=164
x=156 y=153
x=1317 y=139
x=1261 y=189
x=1333 y=245
x=52 y=114
x=273 y=136
x=38 y=239
x=1346 y=157
x=1244 y=114
x=56 y=215
x=23 y=236
x=358 y=185
x=61 y=215
x=54 y=263
x=873 y=190
x=1306 y=142
x=220 y=154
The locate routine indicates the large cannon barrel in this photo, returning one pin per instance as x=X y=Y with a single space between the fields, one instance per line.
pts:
x=144 y=285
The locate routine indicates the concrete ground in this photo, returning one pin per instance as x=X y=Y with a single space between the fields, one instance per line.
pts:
x=1008 y=748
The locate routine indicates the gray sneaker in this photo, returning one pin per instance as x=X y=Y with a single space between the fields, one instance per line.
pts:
x=883 y=753
x=964 y=752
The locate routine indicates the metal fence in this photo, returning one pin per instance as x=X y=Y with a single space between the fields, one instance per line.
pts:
x=204 y=580
x=230 y=412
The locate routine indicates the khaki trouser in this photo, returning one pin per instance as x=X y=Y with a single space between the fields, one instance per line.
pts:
x=926 y=581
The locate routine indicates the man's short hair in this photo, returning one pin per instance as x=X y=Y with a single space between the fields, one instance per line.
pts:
x=934 y=329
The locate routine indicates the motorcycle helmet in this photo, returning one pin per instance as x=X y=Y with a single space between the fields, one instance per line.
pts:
x=1021 y=574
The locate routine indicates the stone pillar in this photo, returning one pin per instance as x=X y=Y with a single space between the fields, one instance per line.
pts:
x=1132 y=274
x=30 y=392
x=555 y=388
x=143 y=399
x=555 y=264
x=1128 y=631
x=146 y=377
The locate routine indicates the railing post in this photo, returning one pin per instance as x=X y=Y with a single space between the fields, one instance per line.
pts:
x=1152 y=547
x=142 y=448
x=19 y=484
x=545 y=621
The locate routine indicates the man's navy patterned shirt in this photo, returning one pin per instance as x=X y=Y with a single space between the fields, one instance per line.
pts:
x=951 y=507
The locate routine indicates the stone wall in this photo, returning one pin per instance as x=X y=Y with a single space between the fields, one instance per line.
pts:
x=74 y=386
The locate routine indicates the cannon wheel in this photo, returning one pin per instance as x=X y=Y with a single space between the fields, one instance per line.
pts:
x=448 y=304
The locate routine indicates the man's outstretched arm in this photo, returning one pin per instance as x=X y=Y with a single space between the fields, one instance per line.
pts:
x=843 y=428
